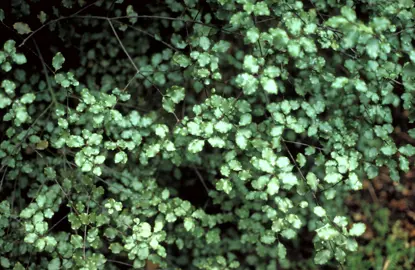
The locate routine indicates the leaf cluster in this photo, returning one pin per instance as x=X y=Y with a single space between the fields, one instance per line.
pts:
x=273 y=109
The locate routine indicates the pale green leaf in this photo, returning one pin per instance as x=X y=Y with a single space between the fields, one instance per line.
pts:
x=22 y=28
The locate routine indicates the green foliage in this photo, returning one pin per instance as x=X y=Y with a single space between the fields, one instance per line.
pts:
x=390 y=248
x=22 y=28
x=274 y=109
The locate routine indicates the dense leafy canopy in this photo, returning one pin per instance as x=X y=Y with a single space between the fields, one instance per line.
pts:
x=197 y=134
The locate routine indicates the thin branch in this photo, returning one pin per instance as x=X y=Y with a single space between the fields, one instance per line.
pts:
x=110 y=7
x=84 y=8
x=57 y=223
x=119 y=262
x=122 y=46
x=199 y=175
x=129 y=82
x=297 y=167
x=372 y=192
x=172 y=19
x=86 y=228
x=259 y=41
x=266 y=20
x=27 y=132
x=129 y=57
x=55 y=21
x=148 y=34
x=52 y=94
x=2 y=179
x=40 y=28
x=74 y=16
x=134 y=65
x=401 y=31
x=313 y=193
x=304 y=144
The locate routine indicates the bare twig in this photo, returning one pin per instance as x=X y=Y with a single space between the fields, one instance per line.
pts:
x=2 y=179
x=199 y=175
x=52 y=94
x=55 y=21
x=148 y=34
x=304 y=144
x=133 y=64
x=57 y=223
x=118 y=18
x=119 y=262
x=372 y=192
x=313 y=193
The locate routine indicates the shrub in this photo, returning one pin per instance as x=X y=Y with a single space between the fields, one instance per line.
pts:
x=196 y=134
x=390 y=247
